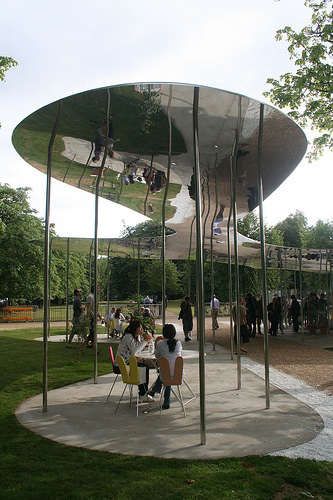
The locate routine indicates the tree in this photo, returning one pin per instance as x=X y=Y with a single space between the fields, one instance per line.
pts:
x=5 y=64
x=249 y=226
x=294 y=229
x=307 y=92
x=320 y=235
x=21 y=247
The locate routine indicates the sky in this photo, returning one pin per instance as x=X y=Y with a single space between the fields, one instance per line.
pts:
x=70 y=46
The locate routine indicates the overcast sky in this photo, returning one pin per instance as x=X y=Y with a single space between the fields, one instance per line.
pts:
x=70 y=46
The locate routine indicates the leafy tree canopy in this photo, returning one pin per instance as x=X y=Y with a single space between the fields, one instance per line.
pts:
x=5 y=64
x=294 y=229
x=249 y=226
x=307 y=91
x=20 y=245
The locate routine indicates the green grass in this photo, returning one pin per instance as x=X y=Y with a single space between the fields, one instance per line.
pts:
x=34 y=468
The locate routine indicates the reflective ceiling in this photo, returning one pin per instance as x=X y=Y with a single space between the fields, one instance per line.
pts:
x=130 y=123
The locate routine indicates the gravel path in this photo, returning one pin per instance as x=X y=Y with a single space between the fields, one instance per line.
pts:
x=310 y=363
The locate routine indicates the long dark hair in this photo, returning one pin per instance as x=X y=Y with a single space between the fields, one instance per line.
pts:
x=132 y=327
x=169 y=332
x=117 y=313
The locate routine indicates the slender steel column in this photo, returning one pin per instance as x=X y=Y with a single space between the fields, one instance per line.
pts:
x=108 y=277
x=233 y=173
x=212 y=280
x=166 y=189
x=301 y=290
x=148 y=184
x=46 y=316
x=86 y=165
x=204 y=208
x=98 y=181
x=49 y=298
x=230 y=278
x=189 y=280
x=139 y=273
x=67 y=286
x=263 y=254
x=199 y=267
x=90 y=263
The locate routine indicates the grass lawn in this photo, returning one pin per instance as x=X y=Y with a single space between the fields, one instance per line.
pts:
x=33 y=467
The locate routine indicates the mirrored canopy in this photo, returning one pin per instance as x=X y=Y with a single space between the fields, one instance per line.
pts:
x=130 y=123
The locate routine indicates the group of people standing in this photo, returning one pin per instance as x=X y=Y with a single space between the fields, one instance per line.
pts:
x=83 y=317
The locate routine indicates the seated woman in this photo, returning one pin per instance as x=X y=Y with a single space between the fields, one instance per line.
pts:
x=170 y=348
x=118 y=318
x=133 y=342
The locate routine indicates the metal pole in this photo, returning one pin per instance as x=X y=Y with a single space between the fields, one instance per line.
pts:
x=189 y=280
x=98 y=181
x=263 y=255
x=212 y=281
x=90 y=262
x=301 y=290
x=67 y=287
x=108 y=276
x=49 y=296
x=46 y=315
x=233 y=173
x=163 y=208
x=230 y=278
x=139 y=272
x=199 y=266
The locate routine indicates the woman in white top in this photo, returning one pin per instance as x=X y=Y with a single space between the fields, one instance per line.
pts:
x=118 y=318
x=170 y=348
x=133 y=342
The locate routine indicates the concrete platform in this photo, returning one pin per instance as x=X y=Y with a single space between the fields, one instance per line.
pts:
x=237 y=422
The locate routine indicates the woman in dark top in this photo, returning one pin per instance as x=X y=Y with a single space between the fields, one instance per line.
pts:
x=185 y=314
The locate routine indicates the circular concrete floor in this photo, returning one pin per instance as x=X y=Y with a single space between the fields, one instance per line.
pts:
x=237 y=423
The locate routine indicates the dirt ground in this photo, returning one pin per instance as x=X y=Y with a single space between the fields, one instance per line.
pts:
x=306 y=360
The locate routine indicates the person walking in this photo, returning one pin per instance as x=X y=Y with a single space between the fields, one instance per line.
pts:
x=295 y=310
x=186 y=315
x=215 y=308
x=77 y=310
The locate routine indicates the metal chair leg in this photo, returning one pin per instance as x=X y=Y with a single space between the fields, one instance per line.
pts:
x=181 y=399
x=161 y=396
x=121 y=397
x=194 y=396
x=131 y=393
x=115 y=380
x=189 y=387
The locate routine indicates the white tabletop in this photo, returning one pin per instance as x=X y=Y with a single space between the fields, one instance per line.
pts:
x=186 y=354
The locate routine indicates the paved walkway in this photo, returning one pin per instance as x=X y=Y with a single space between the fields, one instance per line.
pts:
x=237 y=422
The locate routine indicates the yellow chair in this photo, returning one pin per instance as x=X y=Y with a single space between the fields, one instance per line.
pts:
x=131 y=377
x=175 y=381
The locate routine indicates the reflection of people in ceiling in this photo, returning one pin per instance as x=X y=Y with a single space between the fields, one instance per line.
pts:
x=104 y=137
x=156 y=179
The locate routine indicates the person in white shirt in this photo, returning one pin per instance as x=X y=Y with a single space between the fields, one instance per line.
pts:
x=215 y=307
x=170 y=348
x=133 y=342
x=119 y=319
